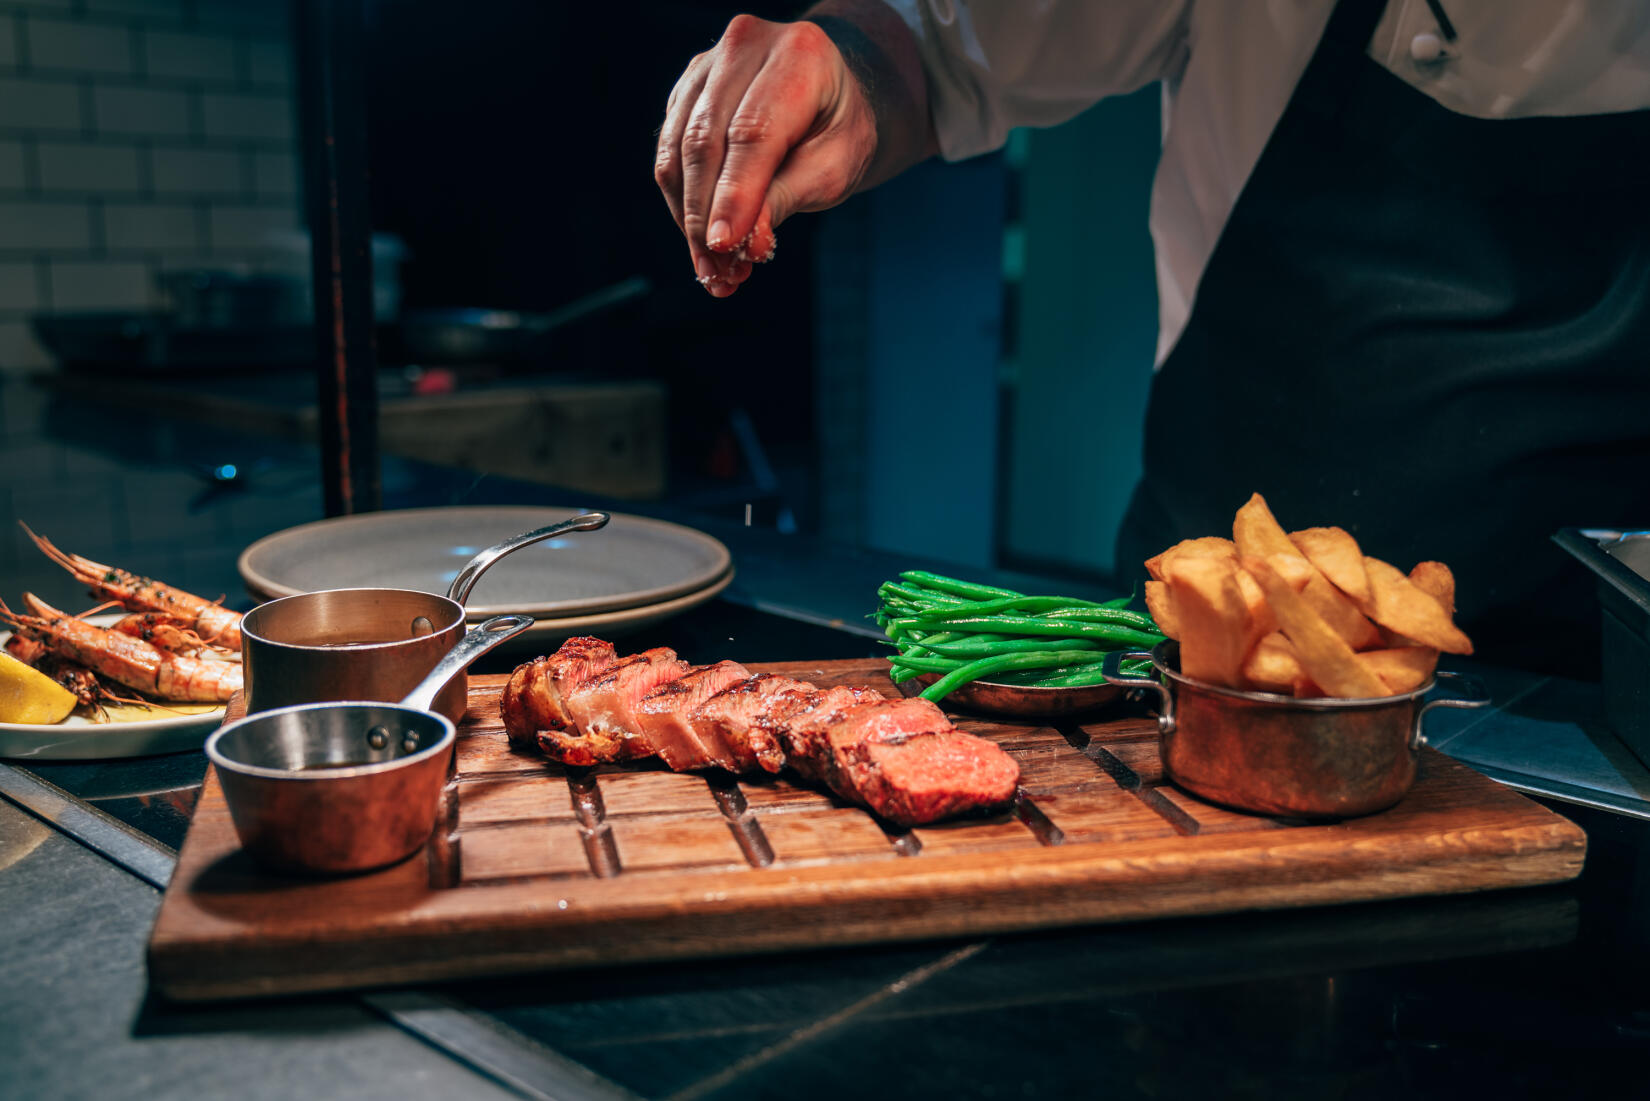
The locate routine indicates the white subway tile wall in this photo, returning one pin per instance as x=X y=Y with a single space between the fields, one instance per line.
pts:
x=138 y=137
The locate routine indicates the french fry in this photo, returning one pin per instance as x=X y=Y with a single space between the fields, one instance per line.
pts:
x=1273 y=666
x=1262 y=621
x=1257 y=532
x=1402 y=669
x=1437 y=581
x=1339 y=612
x=1337 y=556
x=1212 y=616
x=1207 y=546
x=1324 y=655
x=1401 y=606
x=1160 y=603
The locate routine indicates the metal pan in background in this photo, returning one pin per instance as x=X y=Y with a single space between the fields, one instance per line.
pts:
x=475 y=335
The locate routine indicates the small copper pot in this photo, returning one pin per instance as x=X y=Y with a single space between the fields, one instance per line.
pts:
x=336 y=788
x=1286 y=756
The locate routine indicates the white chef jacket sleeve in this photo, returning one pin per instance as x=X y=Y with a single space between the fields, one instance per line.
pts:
x=993 y=65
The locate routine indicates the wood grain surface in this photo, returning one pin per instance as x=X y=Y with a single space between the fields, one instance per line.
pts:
x=535 y=866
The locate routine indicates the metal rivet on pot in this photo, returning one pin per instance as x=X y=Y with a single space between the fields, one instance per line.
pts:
x=409 y=744
x=422 y=626
x=378 y=737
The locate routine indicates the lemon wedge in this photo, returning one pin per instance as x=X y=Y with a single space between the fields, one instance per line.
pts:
x=29 y=696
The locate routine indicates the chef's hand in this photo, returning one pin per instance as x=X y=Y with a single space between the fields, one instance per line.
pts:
x=768 y=122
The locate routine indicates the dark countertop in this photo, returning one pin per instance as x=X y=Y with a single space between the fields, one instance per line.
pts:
x=1508 y=992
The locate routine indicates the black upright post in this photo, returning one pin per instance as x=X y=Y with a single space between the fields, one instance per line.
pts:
x=331 y=49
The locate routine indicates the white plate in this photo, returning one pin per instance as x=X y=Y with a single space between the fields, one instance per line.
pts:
x=633 y=562
x=79 y=739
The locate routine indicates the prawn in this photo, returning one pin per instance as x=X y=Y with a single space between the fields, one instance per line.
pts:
x=212 y=621
x=124 y=659
x=170 y=633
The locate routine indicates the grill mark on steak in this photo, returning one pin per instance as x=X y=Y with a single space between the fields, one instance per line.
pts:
x=662 y=718
x=740 y=717
x=604 y=706
x=533 y=698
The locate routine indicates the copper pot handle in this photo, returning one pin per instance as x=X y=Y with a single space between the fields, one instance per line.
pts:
x=1165 y=709
x=1473 y=696
x=466 y=578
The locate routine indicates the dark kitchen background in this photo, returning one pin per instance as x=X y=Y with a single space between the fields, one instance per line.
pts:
x=952 y=366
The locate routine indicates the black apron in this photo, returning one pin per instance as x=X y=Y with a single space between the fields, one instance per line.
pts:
x=1430 y=329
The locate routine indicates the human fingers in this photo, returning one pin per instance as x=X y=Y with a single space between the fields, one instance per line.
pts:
x=784 y=102
x=736 y=61
x=667 y=160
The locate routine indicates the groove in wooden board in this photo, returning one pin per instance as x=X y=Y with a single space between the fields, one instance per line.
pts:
x=1031 y=816
x=512 y=800
x=1213 y=819
x=594 y=832
x=651 y=792
x=441 y=854
x=521 y=850
x=802 y=836
x=774 y=794
x=1102 y=812
x=1051 y=768
x=747 y=831
x=977 y=836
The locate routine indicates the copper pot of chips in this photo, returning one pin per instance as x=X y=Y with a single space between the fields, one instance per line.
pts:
x=1288 y=756
x=1294 y=679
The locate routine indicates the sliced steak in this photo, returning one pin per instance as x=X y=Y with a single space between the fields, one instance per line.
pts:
x=662 y=718
x=802 y=722
x=927 y=777
x=904 y=760
x=533 y=698
x=603 y=707
x=739 y=719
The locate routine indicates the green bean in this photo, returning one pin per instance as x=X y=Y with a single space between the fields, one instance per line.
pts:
x=974 y=670
x=1025 y=625
x=1120 y=616
x=967 y=589
x=1027 y=604
x=970 y=648
x=916 y=595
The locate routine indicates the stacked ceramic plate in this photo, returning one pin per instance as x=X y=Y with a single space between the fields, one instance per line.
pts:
x=630 y=574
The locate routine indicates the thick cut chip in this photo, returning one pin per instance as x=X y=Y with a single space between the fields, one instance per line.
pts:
x=1160 y=603
x=1213 y=618
x=1273 y=666
x=1339 y=612
x=1436 y=580
x=1262 y=621
x=1402 y=669
x=1209 y=546
x=1400 y=606
x=1324 y=655
x=1257 y=532
x=1337 y=556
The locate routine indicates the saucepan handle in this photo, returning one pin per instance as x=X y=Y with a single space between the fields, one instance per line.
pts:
x=467 y=577
x=1471 y=695
x=476 y=642
x=1165 y=702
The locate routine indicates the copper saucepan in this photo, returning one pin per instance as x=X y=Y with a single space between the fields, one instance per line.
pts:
x=1287 y=756
x=334 y=788
x=368 y=644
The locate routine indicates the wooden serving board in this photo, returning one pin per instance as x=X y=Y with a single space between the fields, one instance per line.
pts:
x=536 y=866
